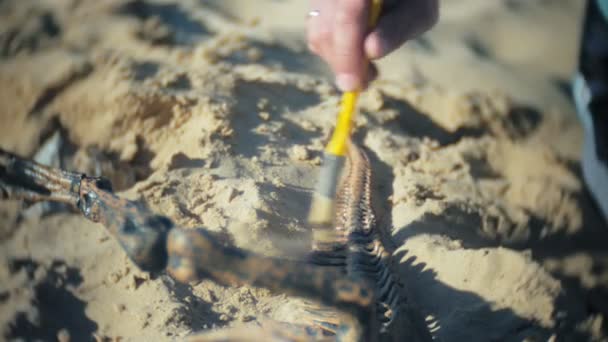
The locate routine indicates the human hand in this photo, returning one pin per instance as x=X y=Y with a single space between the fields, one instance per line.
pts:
x=339 y=34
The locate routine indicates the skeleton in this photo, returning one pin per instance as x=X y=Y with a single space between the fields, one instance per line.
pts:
x=353 y=295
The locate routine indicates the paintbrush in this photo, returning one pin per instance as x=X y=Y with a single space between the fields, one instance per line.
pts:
x=322 y=209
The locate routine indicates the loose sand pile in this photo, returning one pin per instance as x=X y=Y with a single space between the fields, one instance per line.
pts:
x=214 y=114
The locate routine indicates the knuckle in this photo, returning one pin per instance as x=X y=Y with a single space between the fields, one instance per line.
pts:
x=317 y=37
x=350 y=11
x=356 y=6
x=347 y=53
x=344 y=54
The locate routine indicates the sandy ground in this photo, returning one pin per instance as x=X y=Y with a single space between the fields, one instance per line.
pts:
x=214 y=114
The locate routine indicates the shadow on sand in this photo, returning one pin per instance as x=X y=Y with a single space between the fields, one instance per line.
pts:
x=56 y=305
x=457 y=224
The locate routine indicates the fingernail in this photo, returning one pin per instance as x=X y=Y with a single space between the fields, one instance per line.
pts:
x=347 y=82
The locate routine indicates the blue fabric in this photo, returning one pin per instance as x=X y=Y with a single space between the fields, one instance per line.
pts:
x=603 y=5
x=593 y=68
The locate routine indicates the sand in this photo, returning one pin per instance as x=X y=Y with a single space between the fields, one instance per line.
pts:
x=214 y=114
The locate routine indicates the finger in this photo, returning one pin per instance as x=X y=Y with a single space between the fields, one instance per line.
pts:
x=317 y=36
x=348 y=59
x=407 y=20
x=318 y=28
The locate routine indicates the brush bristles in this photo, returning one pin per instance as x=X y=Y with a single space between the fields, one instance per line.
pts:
x=322 y=210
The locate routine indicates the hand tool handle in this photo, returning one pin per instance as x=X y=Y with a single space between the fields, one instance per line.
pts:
x=337 y=144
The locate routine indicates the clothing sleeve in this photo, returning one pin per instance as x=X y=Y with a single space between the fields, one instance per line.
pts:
x=593 y=66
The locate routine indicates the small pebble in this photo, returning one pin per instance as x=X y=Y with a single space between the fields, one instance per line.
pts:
x=113 y=278
x=263 y=128
x=307 y=125
x=264 y=116
x=120 y=308
x=232 y=193
x=300 y=152
x=255 y=21
x=262 y=103
x=254 y=54
x=247 y=318
x=375 y=99
x=226 y=132
x=63 y=335
x=99 y=338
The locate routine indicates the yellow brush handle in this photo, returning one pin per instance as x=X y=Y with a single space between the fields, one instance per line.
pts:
x=374 y=12
x=337 y=144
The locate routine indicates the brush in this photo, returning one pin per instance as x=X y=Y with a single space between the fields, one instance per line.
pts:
x=322 y=209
